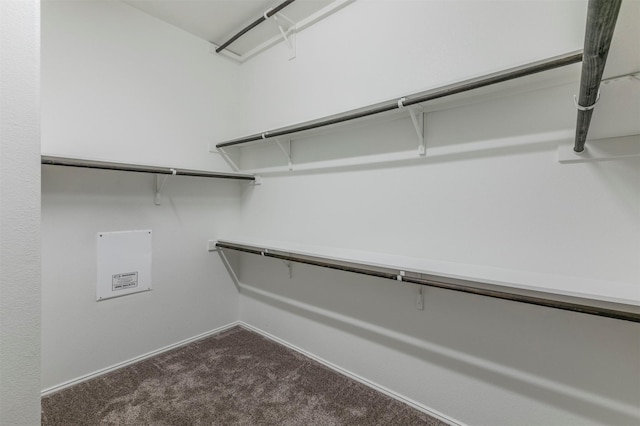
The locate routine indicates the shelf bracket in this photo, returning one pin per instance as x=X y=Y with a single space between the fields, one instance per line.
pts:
x=417 y=118
x=288 y=34
x=160 y=181
x=288 y=264
x=228 y=159
x=420 y=299
x=286 y=153
x=420 y=296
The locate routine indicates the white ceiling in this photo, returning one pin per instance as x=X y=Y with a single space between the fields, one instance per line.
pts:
x=218 y=20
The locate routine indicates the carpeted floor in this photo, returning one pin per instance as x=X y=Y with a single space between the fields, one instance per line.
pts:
x=235 y=378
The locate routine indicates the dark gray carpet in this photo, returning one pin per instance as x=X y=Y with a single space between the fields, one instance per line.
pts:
x=235 y=378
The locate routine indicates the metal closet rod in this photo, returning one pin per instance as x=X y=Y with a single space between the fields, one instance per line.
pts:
x=459 y=285
x=601 y=22
x=254 y=24
x=463 y=86
x=104 y=165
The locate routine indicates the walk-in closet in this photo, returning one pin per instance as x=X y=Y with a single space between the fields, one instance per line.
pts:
x=319 y=212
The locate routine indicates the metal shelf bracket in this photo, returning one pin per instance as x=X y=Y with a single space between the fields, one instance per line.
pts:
x=228 y=159
x=417 y=117
x=288 y=264
x=287 y=153
x=288 y=34
x=257 y=179
x=416 y=113
x=160 y=181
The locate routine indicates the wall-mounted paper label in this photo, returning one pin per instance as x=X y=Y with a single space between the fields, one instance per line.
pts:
x=124 y=281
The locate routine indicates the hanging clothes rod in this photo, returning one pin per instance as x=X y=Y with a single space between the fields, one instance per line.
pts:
x=443 y=283
x=268 y=14
x=441 y=92
x=601 y=22
x=90 y=164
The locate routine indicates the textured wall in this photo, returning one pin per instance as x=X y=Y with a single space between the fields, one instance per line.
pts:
x=512 y=208
x=19 y=213
x=489 y=192
x=192 y=292
x=121 y=85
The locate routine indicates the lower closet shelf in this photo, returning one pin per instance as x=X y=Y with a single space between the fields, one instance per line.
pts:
x=591 y=297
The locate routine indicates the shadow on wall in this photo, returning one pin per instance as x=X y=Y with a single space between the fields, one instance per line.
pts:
x=542 y=354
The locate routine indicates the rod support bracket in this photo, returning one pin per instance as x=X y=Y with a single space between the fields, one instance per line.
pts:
x=287 y=31
x=586 y=108
x=160 y=181
x=286 y=153
x=417 y=118
x=228 y=159
x=288 y=265
x=416 y=112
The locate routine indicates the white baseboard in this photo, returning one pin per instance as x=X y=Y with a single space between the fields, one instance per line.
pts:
x=134 y=360
x=351 y=375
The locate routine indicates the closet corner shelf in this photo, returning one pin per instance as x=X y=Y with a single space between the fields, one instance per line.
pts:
x=138 y=168
x=585 y=296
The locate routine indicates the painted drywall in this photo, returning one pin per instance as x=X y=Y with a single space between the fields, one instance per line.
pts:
x=19 y=213
x=119 y=85
x=489 y=192
x=474 y=360
x=192 y=292
x=372 y=51
x=510 y=207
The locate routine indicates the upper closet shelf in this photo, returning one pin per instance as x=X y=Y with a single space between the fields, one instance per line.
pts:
x=602 y=298
x=416 y=100
x=138 y=168
x=267 y=14
x=255 y=38
x=105 y=165
x=601 y=21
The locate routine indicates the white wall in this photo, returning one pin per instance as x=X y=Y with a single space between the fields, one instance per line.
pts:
x=19 y=213
x=489 y=192
x=192 y=292
x=376 y=50
x=119 y=85
x=513 y=208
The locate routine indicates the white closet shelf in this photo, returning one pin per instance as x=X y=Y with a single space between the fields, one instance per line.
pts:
x=139 y=168
x=595 y=297
x=161 y=173
x=474 y=87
